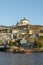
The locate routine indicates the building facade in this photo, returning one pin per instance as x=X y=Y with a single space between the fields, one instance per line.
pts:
x=22 y=29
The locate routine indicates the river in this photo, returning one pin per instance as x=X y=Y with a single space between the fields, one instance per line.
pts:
x=21 y=59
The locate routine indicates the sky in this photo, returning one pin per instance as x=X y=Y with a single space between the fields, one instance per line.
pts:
x=12 y=11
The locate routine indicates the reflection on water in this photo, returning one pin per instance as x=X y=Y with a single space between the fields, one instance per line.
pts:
x=21 y=59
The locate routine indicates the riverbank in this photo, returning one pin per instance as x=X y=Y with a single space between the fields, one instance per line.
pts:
x=37 y=50
x=15 y=49
x=27 y=51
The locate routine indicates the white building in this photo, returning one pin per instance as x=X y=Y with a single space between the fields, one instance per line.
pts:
x=24 y=21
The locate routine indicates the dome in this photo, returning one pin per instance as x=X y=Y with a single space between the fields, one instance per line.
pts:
x=24 y=21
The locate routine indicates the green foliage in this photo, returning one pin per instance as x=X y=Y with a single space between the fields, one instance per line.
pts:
x=40 y=37
x=15 y=43
x=35 y=45
x=39 y=45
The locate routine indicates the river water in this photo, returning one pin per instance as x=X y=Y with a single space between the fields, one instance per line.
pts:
x=21 y=59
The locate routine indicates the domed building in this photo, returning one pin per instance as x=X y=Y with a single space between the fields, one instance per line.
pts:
x=23 y=21
x=23 y=26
